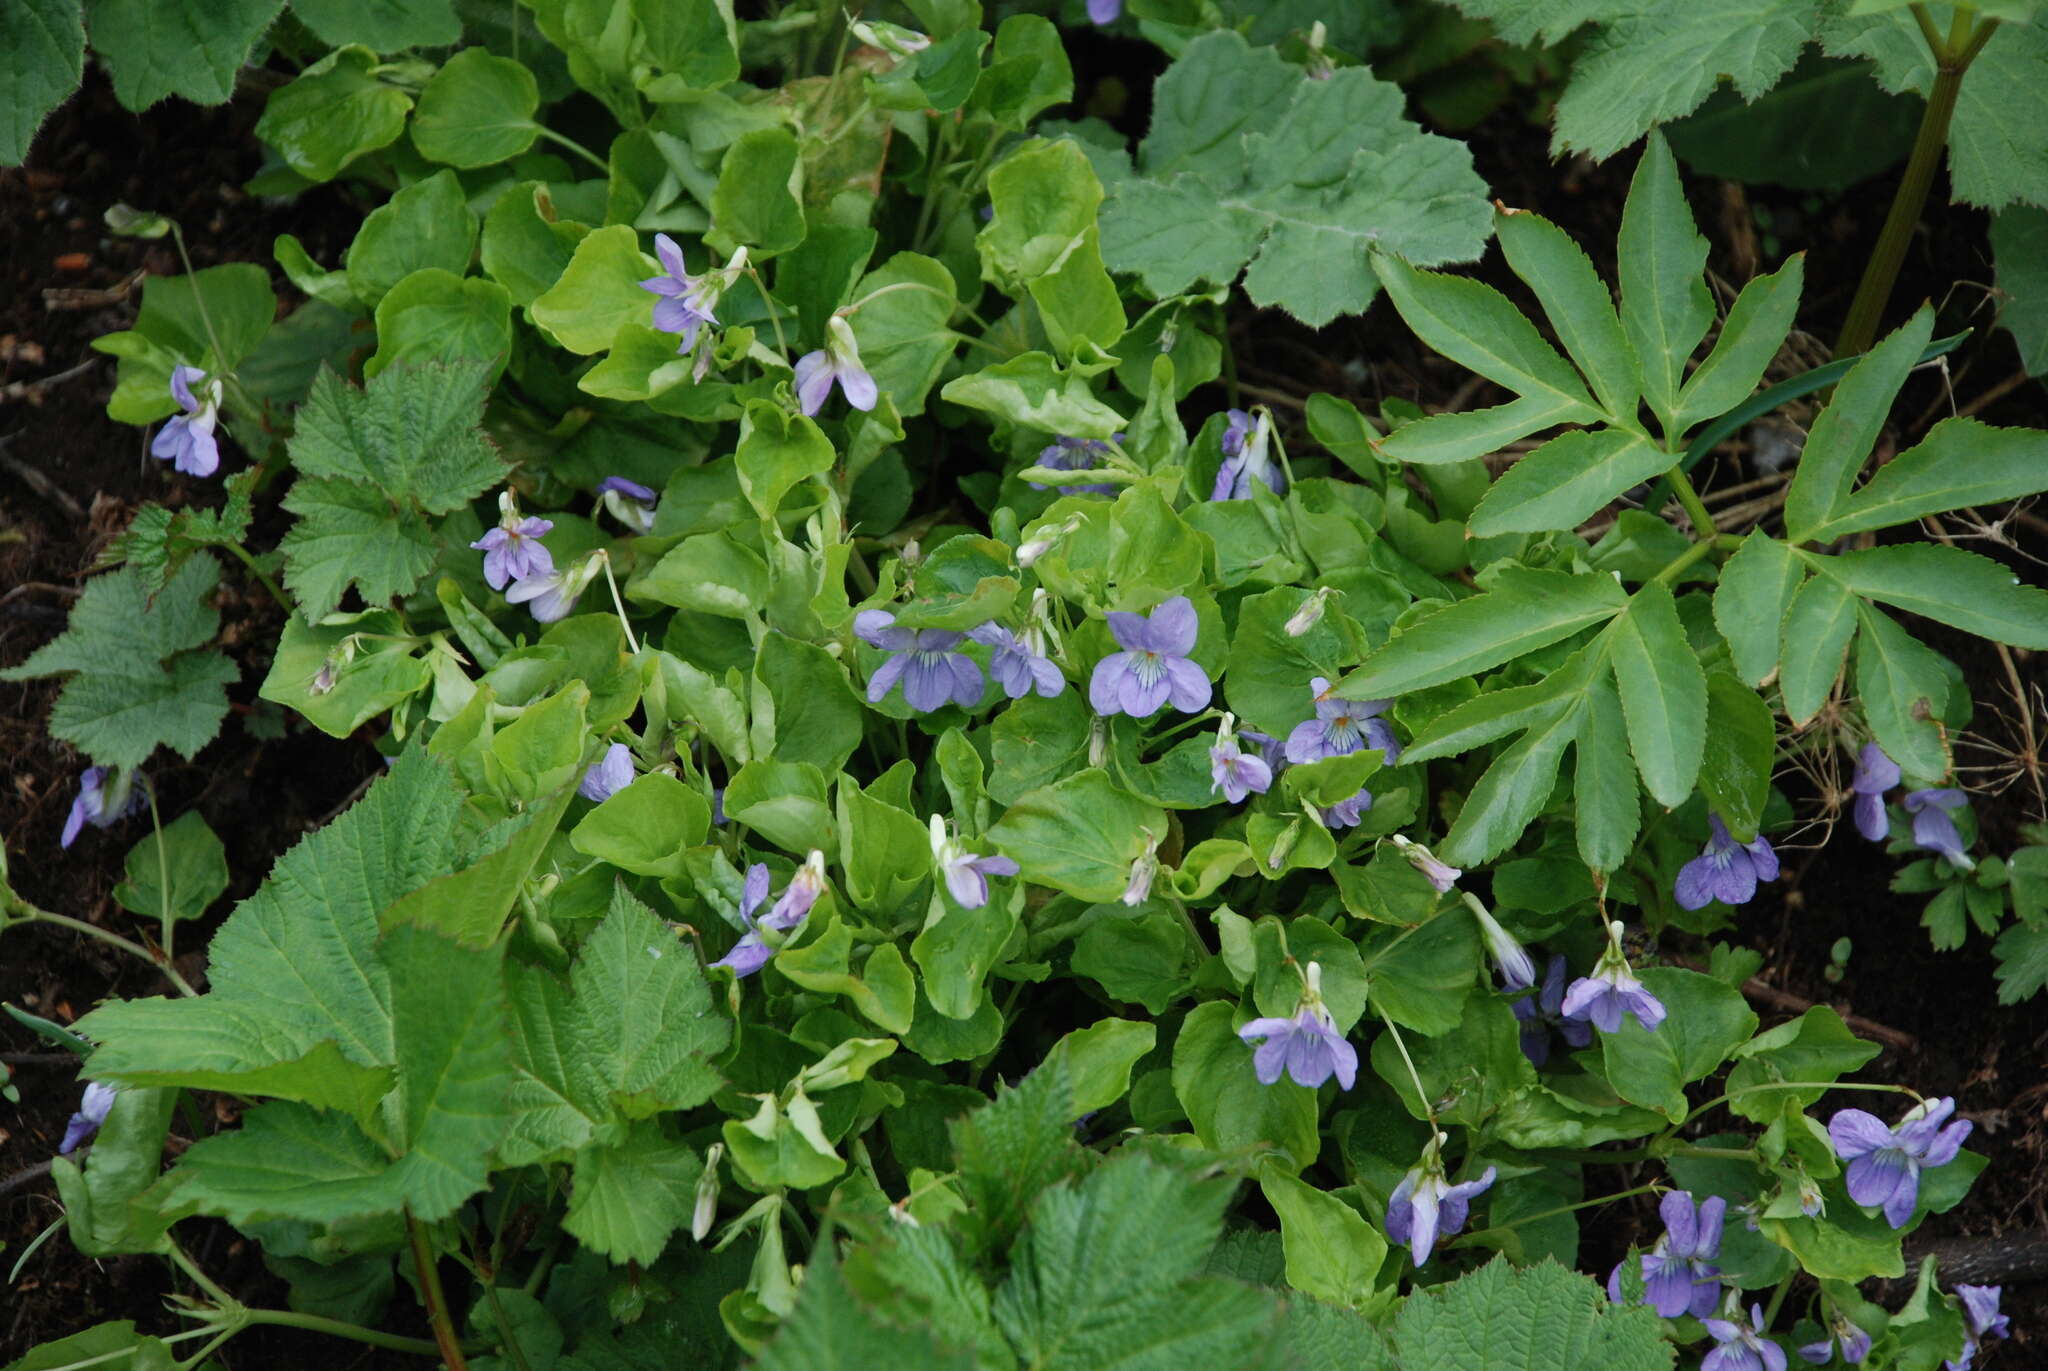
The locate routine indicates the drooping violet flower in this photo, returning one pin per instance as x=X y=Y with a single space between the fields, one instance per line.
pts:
x=1018 y=660
x=1104 y=11
x=1346 y=813
x=1933 y=829
x=106 y=795
x=1426 y=1206
x=92 y=1112
x=1884 y=1164
x=1144 y=866
x=1441 y=875
x=186 y=440
x=900 y=43
x=1075 y=454
x=1612 y=991
x=965 y=873
x=1543 y=1011
x=1153 y=668
x=1307 y=1046
x=685 y=303
x=1234 y=772
x=753 y=951
x=927 y=661
x=1679 y=1275
x=838 y=361
x=631 y=503
x=1844 y=1337
x=608 y=775
x=1742 y=1347
x=1875 y=774
x=1725 y=870
x=1981 y=1320
x=552 y=594
x=1517 y=972
x=1271 y=749
x=1247 y=458
x=1341 y=727
x=513 y=550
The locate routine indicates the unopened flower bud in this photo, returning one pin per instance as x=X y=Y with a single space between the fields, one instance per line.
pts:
x=706 y=1211
x=1139 y=887
x=1517 y=972
x=1311 y=612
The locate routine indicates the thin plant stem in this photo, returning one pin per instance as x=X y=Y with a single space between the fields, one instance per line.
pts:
x=774 y=314
x=27 y=912
x=1805 y=1085
x=199 y=1278
x=585 y=153
x=355 y=1332
x=165 y=935
x=248 y=560
x=1649 y=1189
x=449 y=1346
x=1414 y=1076
x=632 y=643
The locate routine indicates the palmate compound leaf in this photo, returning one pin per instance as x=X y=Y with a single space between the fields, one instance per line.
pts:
x=1539 y=1318
x=136 y=678
x=1250 y=166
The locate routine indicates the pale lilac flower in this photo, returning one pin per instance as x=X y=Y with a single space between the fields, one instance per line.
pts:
x=1679 y=1275
x=1307 y=1046
x=1153 y=668
x=927 y=660
x=1075 y=454
x=552 y=594
x=1981 y=1320
x=1341 y=727
x=1247 y=458
x=608 y=775
x=1138 y=888
x=838 y=361
x=1611 y=992
x=1441 y=875
x=1725 y=870
x=1311 y=612
x=186 y=440
x=1844 y=1337
x=1543 y=1011
x=753 y=951
x=1018 y=661
x=1234 y=772
x=1884 y=1164
x=513 y=550
x=1875 y=774
x=1933 y=829
x=965 y=873
x=1346 y=813
x=685 y=303
x=1742 y=1347
x=1270 y=748
x=1517 y=972
x=631 y=503
x=1426 y=1206
x=106 y=795
x=1104 y=11
x=92 y=1112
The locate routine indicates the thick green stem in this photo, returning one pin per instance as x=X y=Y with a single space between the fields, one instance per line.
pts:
x=1874 y=292
x=449 y=1346
x=1695 y=508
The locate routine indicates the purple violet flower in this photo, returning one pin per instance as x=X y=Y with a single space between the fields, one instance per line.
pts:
x=1981 y=1320
x=1852 y=1342
x=1725 y=870
x=1742 y=1347
x=1875 y=774
x=92 y=1112
x=552 y=594
x=513 y=550
x=1341 y=727
x=1612 y=991
x=1679 y=1275
x=1517 y=972
x=927 y=660
x=966 y=873
x=1543 y=1011
x=106 y=795
x=186 y=440
x=1153 y=668
x=631 y=503
x=753 y=951
x=1442 y=876
x=1018 y=661
x=1075 y=454
x=1247 y=458
x=1233 y=771
x=838 y=361
x=1933 y=829
x=685 y=303
x=608 y=775
x=1307 y=1046
x=1426 y=1206
x=1104 y=11
x=1346 y=813
x=1884 y=1164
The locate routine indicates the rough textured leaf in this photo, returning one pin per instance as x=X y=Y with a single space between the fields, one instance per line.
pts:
x=628 y=1199
x=829 y=1331
x=42 y=57
x=192 y=48
x=1541 y=1318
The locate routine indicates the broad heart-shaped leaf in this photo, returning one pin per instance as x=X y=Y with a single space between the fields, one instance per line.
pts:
x=1566 y=481
x=1526 y=609
x=1106 y=1276
x=191 y=48
x=1249 y=165
x=1663 y=693
x=186 y=852
x=1960 y=463
x=427 y=224
x=381 y=25
x=1841 y=438
x=1665 y=307
x=1230 y=1108
x=1042 y=240
x=476 y=110
x=42 y=56
x=173 y=326
x=776 y=450
x=599 y=292
x=904 y=338
x=1540 y=1318
x=1333 y=1254
x=332 y=114
x=436 y=317
x=752 y=204
x=295 y=969
x=135 y=680
x=1079 y=835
